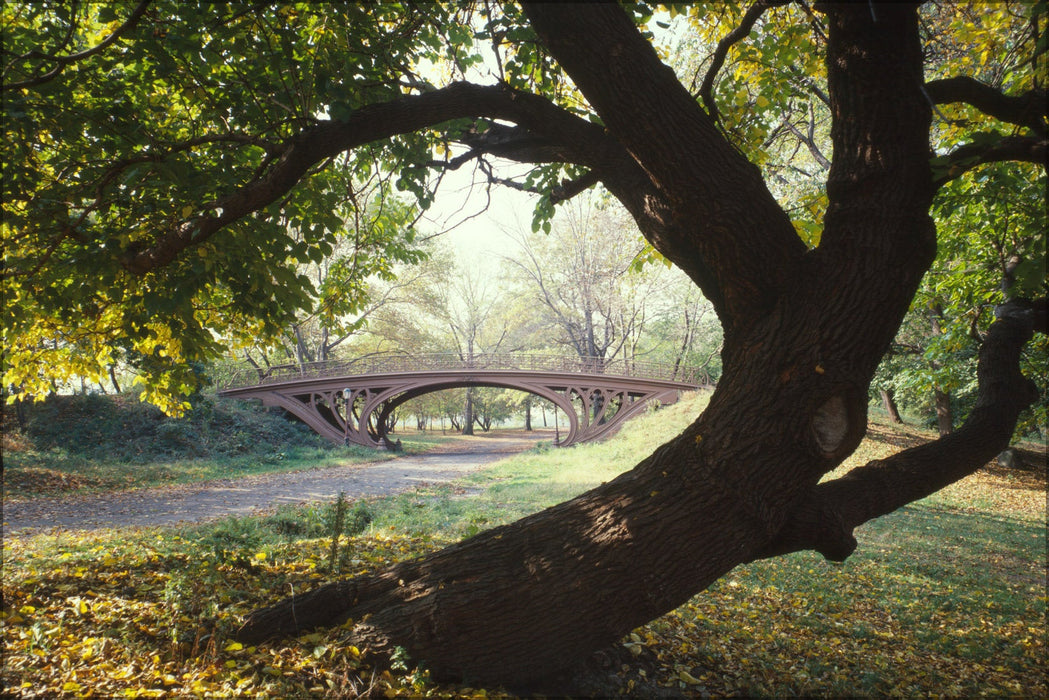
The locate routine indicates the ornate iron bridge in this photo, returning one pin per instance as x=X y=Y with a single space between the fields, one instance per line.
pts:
x=351 y=401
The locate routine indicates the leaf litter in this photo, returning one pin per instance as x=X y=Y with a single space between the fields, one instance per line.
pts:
x=944 y=597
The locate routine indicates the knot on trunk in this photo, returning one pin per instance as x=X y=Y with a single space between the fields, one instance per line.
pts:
x=830 y=424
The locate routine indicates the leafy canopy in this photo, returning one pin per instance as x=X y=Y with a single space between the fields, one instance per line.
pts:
x=132 y=134
x=190 y=101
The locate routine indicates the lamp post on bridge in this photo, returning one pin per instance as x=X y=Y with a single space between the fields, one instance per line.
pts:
x=346 y=394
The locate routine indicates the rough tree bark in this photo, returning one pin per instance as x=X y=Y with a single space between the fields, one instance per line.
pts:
x=804 y=331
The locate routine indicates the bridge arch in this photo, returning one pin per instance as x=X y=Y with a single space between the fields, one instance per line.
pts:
x=339 y=400
x=391 y=404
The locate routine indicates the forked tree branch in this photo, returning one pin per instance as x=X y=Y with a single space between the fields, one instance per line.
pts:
x=521 y=145
x=1029 y=149
x=824 y=522
x=1027 y=109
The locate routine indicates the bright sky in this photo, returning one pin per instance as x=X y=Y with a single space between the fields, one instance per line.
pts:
x=478 y=238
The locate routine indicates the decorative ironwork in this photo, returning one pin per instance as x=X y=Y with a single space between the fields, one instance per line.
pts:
x=351 y=400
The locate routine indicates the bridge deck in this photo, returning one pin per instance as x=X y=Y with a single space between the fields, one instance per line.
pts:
x=397 y=363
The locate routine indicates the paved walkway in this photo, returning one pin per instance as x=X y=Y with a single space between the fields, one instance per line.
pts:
x=173 y=504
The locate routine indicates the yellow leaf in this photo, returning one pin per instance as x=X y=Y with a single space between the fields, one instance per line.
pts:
x=688 y=678
x=234 y=646
x=260 y=556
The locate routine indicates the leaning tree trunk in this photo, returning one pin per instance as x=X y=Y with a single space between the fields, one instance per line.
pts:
x=804 y=332
x=888 y=403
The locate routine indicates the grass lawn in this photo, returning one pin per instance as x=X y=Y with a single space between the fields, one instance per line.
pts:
x=945 y=596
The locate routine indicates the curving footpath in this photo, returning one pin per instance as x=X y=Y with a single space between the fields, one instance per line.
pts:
x=169 y=505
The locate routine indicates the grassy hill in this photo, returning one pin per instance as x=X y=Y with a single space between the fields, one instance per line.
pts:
x=84 y=443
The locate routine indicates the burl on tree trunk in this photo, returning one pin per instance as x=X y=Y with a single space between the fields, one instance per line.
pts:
x=804 y=333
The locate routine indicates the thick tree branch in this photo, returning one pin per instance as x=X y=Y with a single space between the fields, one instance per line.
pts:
x=880 y=131
x=1028 y=149
x=726 y=219
x=878 y=237
x=517 y=143
x=825 y=521
x=371 y=123
x=1027 y=109
x=546 y=133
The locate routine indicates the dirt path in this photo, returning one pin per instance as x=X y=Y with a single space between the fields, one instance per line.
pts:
x=244 y=496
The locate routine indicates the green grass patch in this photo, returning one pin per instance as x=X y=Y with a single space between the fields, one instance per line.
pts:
x=945 y=596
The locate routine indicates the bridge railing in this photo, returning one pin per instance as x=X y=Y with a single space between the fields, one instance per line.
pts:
x=248 y=375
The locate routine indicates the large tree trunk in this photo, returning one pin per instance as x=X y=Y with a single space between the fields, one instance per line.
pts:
x=804 y=332
x=468 y=412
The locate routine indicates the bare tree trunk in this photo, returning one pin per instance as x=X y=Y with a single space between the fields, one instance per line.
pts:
x=468 y=413
x=944 y=414
x=888 y=402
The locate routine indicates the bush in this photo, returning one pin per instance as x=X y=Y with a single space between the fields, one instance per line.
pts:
x=123 y=429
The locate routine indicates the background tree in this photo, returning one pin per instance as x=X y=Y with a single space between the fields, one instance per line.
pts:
x=990 y=250
x=583 y=278
x=357 y=279
x=684 y=332
x=145 y=230
x=467 y=311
